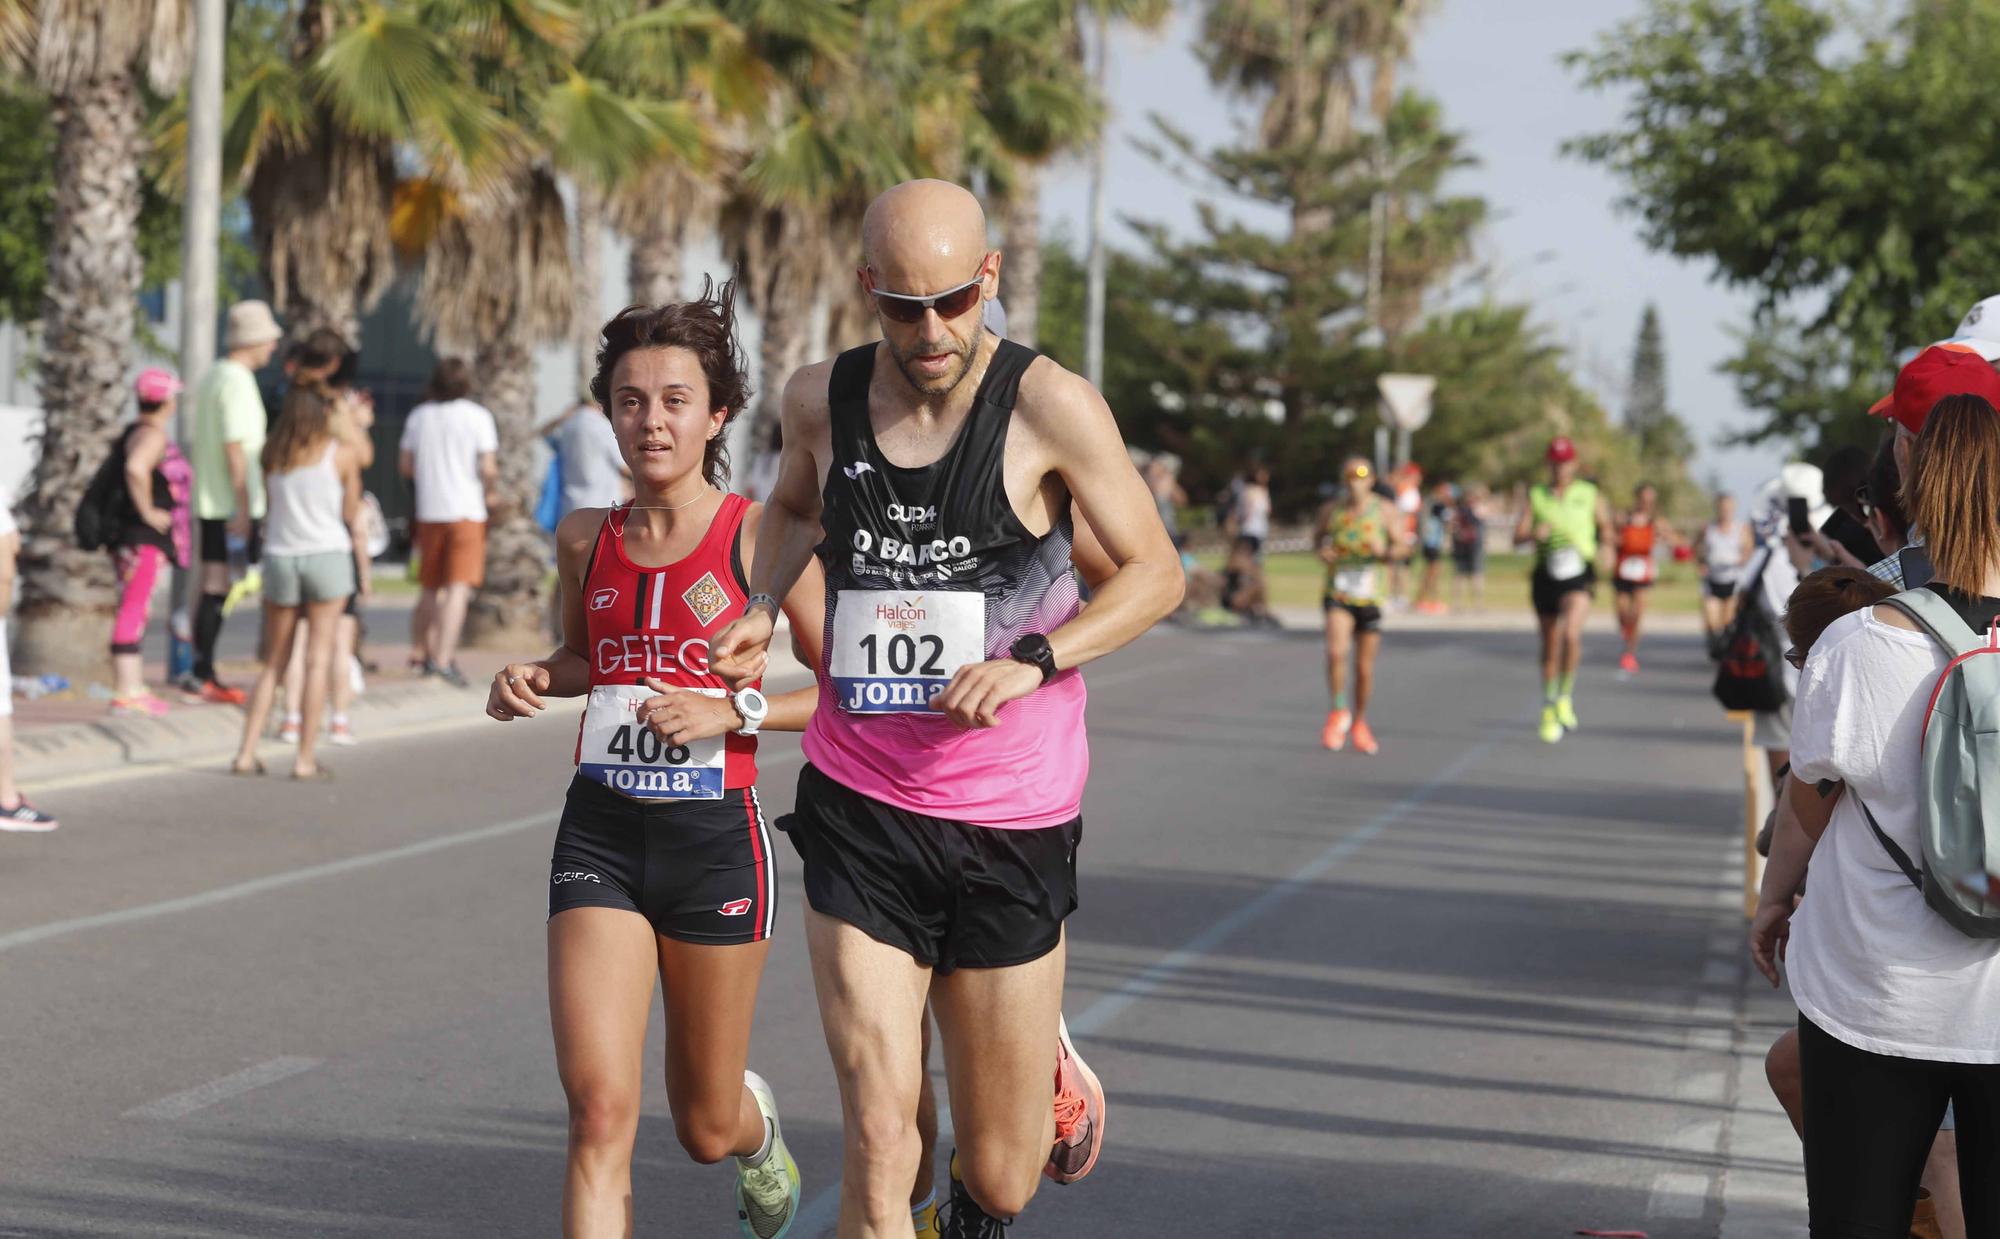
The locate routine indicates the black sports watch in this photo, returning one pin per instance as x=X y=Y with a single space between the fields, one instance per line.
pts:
x=1034 y=649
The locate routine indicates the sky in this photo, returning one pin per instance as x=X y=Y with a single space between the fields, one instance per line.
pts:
x=1556 y=239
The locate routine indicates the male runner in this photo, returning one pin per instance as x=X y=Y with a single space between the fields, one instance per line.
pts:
x=1566 y=520
x=934 y=473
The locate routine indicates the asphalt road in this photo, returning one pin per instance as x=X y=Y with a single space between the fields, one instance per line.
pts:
x=1474 y=986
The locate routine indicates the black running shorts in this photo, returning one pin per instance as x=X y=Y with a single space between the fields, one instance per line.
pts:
x=1366 y=618
x=212 y=538
x=951 y=895
x=700 y=870
x=1549 y=593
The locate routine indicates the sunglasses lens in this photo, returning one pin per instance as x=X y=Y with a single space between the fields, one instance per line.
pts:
x=952 y=305
x=949 y=306
x=897 y=310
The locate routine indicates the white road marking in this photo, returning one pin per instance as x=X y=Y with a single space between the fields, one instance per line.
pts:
x=1679 y=1196
x=292 y=877
x=819 y=1213
x=180 y=1105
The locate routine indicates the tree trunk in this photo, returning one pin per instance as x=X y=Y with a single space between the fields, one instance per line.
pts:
x=94 y=271
x=510 y=610
x=659 y=259
x=589 y=283
x=1021 y=254
x=780 y=351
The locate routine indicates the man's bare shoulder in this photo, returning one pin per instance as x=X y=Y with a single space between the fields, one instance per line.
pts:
x=1052 y=397
x=805 y=400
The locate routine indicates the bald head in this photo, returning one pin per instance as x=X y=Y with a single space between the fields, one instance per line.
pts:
x=923 y=236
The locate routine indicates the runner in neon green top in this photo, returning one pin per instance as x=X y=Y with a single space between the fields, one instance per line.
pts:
x=1566 y=521
x=1357 y=532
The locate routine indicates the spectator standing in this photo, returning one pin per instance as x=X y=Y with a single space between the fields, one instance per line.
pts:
x=592 y=472
x=1433 y=532
x=316 y=560
x=16 y=814
x=450 y=448
x=1468 y=546
x=1163 y=479
x=153 y=533
x=323 y=358
x=1899 y=1010
x=1243 y=590
x=228 y=438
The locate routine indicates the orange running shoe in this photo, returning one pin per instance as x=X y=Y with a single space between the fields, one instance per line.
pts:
x=216 y=693
x=1364 y=739
x=1629 y=664
x=1334 y=735
x=1079 y=1113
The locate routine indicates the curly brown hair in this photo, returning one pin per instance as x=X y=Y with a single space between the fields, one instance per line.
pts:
x=706 y=327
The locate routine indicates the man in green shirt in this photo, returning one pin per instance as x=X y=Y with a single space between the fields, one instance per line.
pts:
x=1566 y=521
x=228 y=437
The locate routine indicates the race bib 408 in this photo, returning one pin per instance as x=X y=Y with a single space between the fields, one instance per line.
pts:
x=628 y=757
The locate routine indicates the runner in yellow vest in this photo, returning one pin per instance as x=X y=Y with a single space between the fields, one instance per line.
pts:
x=1566 y=521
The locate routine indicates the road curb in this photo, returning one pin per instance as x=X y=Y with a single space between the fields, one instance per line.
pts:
x=70 y=750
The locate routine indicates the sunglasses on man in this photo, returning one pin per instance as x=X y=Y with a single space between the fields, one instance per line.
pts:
x=949 y=304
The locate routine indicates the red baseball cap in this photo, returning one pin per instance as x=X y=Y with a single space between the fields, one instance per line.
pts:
x=1939 y=371
x=1561 y=450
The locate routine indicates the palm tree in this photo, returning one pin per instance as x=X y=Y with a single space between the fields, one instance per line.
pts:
x=868 y=102
x=316 y=111
x=498 y=274
x=1035 y=101
x=497 y=281
x=1299 y=57
x=94 y=59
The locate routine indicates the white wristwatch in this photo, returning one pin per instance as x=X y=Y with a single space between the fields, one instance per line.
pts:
x=753 y=707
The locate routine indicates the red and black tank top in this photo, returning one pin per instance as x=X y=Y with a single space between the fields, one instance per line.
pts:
x=656 y=623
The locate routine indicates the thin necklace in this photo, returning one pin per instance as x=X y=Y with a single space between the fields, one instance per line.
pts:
x=677 y=507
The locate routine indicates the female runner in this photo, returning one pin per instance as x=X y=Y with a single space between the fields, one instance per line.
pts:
x=662 y=863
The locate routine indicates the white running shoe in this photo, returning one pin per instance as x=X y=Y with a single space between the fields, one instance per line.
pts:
x=767 y=1195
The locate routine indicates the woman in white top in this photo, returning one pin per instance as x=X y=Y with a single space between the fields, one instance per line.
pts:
x=1899 y=1011
x=315 y=557
x=1725 y=547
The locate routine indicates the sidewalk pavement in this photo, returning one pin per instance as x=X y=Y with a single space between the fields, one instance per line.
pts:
x=72 y=735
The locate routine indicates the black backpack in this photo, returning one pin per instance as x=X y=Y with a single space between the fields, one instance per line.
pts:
x=1752 y=672
x=100 y=516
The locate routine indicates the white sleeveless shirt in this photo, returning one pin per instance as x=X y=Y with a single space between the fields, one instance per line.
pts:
x=304 y=516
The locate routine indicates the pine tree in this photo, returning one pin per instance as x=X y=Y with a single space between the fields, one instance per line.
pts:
x=1665 y=444
x=1646 y=399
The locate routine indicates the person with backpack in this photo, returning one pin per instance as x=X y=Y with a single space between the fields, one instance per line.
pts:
x=1894 y=963
x=150 y=531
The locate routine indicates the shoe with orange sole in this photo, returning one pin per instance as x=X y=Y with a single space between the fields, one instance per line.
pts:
x=1364 y=739
x=1333 y=736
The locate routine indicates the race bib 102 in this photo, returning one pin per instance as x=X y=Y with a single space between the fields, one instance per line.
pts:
x=893 y=651
x=627 y=756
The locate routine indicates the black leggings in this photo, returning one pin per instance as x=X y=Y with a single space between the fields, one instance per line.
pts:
x=1870 y=1121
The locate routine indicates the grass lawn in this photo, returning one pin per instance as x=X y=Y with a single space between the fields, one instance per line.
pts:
x=1296 y=578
